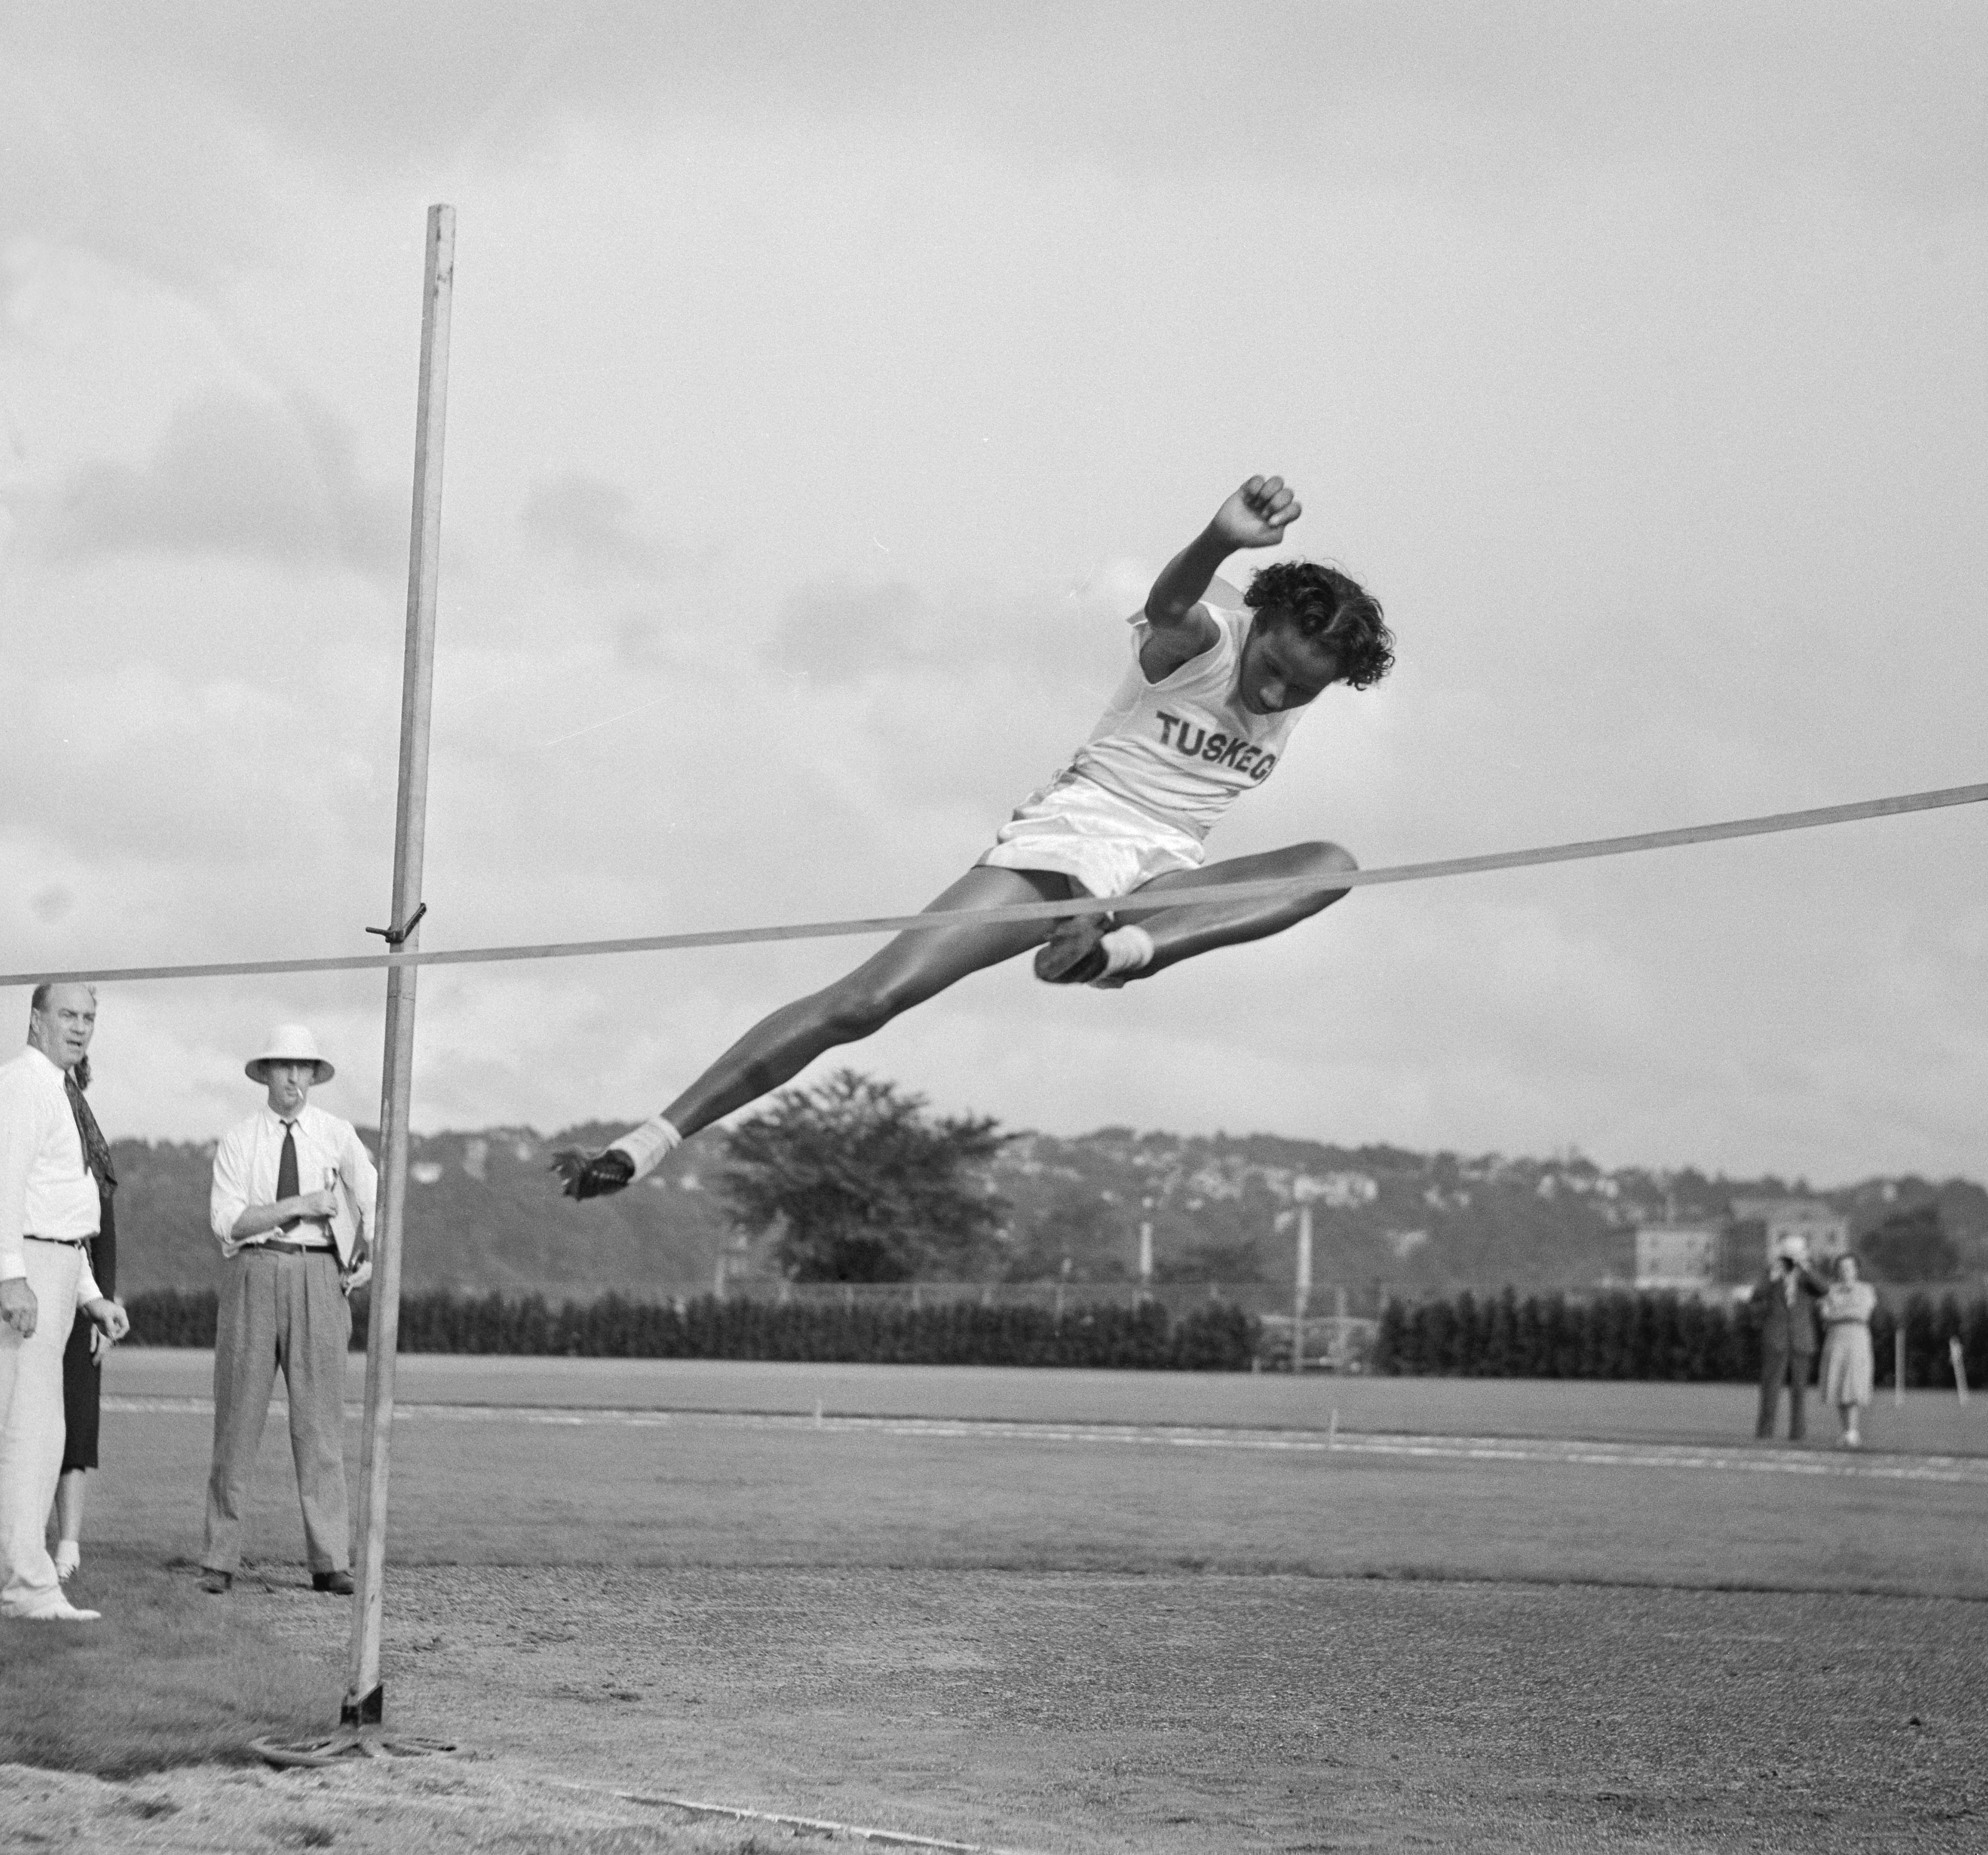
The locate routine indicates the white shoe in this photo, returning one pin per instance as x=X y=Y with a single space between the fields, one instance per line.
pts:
x=63 y=1613
x=68 y=1556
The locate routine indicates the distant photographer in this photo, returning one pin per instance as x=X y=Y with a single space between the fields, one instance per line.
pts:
x=1783 y=1303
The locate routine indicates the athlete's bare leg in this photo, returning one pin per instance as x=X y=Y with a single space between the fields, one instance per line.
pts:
x=1180 y=933
x=915 y=967
x=911 y=969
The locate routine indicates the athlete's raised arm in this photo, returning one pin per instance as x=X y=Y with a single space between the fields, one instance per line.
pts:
x=1256 y=516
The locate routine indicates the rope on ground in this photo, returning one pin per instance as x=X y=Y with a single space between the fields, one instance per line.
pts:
x=933 y=919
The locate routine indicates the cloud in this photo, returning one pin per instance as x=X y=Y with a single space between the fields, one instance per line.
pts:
x=235 y=476
x=1448 y=91
x=956 y=703
x=149 y=170
x=591 y=526
x=841 y=629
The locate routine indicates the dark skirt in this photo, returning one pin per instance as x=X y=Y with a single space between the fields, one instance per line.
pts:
x=83 y=1382
x=82 y=1378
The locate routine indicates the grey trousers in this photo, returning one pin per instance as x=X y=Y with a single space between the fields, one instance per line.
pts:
x=287 y=1312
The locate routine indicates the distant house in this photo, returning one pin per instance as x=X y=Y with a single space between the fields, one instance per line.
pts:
x=1340 y=1191
x=1755 y=1226
x=1214 y=1181
x=1682 y=1258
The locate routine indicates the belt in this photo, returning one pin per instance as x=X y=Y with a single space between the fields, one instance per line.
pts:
x=68 y=1243
x=294 y=1249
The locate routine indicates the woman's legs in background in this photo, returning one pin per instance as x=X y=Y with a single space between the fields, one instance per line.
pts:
x=69 y=1522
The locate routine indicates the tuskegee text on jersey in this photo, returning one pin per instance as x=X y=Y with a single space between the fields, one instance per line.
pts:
x=1201 y=743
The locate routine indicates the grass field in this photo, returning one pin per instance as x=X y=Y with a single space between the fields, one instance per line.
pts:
x=1928 y=1423
x=1090 y=1612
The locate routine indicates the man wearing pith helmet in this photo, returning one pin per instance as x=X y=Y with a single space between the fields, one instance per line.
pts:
x=293 y=1208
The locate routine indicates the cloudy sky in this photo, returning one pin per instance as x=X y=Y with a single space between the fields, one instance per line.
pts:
x=828 y=381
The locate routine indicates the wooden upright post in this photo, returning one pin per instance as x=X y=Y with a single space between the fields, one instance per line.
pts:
x=365 y=1694
x=1301 y=1296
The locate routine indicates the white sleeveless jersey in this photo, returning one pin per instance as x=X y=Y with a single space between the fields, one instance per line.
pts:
x=1182 y=748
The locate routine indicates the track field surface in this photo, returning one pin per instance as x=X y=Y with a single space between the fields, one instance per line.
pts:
x=1086 y=1611
x=1928 y=1423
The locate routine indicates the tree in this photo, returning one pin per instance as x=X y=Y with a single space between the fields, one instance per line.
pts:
x=1079 y=1224
x=1911 y=1246
x=866 y=1187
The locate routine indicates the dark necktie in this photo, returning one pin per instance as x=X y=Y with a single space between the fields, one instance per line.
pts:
x=96 y=1149
x=286 y=1171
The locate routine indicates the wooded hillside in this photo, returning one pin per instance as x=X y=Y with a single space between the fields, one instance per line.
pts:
x=483 y=1214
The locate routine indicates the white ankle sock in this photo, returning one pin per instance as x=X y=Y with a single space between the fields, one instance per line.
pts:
x=648 y=1146
x=1126 y=950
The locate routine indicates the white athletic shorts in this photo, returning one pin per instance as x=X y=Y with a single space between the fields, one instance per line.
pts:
x=1107 y=845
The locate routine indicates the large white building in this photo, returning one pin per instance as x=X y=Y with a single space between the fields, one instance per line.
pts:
x=1757 y=1225
x=1693 y=1258
x=1681 y=1257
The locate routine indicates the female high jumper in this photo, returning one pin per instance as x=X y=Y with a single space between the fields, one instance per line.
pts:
x=1202 y=715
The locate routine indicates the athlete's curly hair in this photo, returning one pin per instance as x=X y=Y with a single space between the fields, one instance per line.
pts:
x=1332 y=608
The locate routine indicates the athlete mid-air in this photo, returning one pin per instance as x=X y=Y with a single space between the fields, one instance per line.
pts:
x=1203 y=713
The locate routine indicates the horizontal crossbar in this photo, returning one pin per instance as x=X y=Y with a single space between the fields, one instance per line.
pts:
x=932 y=919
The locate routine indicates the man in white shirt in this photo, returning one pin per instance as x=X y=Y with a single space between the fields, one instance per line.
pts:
x=48 y=1212
x=293 y=1208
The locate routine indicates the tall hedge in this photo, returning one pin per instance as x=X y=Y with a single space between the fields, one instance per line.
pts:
x=1609 y=1336
x=1213 y=1338
x=1647 y=1336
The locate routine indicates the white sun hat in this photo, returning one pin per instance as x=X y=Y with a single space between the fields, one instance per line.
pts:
x=1793 y=1247
x=288 y=1043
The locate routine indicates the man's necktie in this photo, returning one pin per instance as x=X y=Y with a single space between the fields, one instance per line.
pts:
x=286 y=1171
x=96 y=1149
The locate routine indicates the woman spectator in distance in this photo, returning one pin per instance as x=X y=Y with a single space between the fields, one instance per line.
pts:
x=1846 y=1312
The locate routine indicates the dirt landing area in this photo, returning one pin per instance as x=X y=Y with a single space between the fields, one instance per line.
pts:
x=438 y=1807
x=1181 y=1714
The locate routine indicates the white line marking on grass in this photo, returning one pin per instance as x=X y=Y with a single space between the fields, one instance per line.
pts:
x=1569 y=1451
x=1932 y=1468
x=737 y=1813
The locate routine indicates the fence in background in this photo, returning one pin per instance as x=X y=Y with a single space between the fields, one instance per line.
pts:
x=1178 y=1297
x=1618 y=1336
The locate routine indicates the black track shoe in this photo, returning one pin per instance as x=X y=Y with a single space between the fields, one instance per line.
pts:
x=586 y=1175
x=1074 y=955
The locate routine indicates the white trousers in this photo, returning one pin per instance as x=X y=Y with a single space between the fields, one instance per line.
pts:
x=31 y=1428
